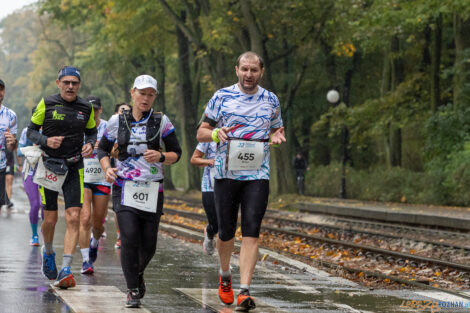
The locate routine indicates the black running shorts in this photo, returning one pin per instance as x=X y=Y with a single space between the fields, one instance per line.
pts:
x=251 y=195
x=72 y=189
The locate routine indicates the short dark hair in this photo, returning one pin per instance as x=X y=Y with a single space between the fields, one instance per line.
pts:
x=251 y=55
x=2 y=83
x=116 y=108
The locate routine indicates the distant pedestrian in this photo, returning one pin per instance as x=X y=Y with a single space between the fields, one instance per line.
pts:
x=300 y=166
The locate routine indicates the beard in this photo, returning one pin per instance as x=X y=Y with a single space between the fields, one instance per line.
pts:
x=250 y=86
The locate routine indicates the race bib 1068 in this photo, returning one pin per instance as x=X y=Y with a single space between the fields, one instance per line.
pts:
x=141 y=195
x=245 y=155
x=48 y=179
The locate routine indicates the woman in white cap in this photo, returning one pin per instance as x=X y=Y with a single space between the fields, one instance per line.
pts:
x=140 y=134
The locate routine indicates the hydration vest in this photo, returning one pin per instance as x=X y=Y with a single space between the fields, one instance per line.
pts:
x=152 y=133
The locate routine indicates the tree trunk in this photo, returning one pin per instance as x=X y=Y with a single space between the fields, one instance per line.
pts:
x=436 y=44
x=161 y=106
x=210 y=57
x=281 y=171
x=462 y=67
x=393 y=138
x=187 y=110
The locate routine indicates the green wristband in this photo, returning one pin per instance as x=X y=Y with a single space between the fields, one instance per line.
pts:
x=276 y=145
x=215 y=134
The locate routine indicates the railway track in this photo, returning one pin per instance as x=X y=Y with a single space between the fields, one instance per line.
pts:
x=450 y=247
x=338 y=251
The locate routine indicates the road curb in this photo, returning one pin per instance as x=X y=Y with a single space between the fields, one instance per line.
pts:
x=459 y=222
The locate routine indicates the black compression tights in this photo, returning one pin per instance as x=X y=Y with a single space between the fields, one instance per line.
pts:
x=250 y=195
x=209 y=206
x=138 y=244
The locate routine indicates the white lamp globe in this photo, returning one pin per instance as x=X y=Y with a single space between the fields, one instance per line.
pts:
x=332 y=96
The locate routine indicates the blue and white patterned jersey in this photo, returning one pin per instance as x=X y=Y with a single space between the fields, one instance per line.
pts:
x=209 y=149
x=7 y=121
x=136 y=168
x=253 y=117
x=100 y=129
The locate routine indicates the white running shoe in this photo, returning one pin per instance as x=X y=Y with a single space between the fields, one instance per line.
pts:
x=209 y=244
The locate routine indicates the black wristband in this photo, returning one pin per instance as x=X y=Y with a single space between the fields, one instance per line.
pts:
x=162 y=158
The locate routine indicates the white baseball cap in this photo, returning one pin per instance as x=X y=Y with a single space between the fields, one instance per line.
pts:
x=145 y=81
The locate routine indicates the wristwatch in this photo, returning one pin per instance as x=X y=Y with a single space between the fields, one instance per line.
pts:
x=162 y=158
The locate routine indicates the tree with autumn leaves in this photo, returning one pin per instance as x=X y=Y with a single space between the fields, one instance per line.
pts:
x=401 y=68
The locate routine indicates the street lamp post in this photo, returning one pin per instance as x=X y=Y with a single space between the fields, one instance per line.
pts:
x=333 y=97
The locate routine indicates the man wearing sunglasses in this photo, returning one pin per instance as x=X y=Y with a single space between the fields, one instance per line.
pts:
x=65 y=119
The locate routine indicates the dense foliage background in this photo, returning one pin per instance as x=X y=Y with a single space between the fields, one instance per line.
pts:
x=402 y=68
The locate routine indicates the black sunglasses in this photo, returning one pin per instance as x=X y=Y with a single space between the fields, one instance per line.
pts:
x=68 y=82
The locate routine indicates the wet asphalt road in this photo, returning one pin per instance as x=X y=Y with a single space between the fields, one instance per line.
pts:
x=177 y=264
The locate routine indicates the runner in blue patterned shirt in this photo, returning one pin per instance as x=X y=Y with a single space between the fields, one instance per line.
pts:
x=203 y=156
x=249 y=118
x=8 y=129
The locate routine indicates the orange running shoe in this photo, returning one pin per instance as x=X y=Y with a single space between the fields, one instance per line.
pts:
x=225 y=290
x=245 y=302
x=65 y=279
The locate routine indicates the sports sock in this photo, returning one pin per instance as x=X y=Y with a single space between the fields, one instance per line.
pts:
x=34 y=228
x=225 y=274
x=85 y=254
x=94 y=242
x=244 y=288
x=67 y=260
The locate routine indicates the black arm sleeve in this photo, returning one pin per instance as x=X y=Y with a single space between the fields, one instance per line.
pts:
x=171 y=145
x=90 y=136
x=35 y=136
x=104 y=147
x=210 y=121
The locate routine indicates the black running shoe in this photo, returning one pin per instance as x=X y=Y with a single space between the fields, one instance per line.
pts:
x=133 y=300
x=141 y=286
x=92 y=253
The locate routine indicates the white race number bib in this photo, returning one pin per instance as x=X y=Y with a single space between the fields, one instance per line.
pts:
x=92 y=171
x=141 y=195
x=212 y=176
x=48 y=179
x=245 y=155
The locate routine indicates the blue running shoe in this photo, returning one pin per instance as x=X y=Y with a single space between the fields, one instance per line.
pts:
x=93 y=254
x=65 y=279
x=87 y=268
x=49 y=270
x=34 y=241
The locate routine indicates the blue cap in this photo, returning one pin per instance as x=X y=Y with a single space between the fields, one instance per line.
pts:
x=69 y=71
